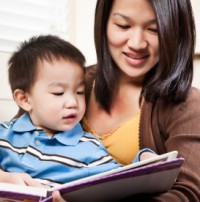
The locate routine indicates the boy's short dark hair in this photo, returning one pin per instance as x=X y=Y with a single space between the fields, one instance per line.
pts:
x=23 y=63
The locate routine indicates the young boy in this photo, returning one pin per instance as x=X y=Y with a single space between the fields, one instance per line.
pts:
x=46 y=76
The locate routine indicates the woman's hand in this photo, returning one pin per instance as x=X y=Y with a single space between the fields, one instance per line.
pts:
x=57 y=197
x=147 y=155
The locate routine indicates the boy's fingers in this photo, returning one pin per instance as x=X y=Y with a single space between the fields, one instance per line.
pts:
x=29 y=181
x=57 y=197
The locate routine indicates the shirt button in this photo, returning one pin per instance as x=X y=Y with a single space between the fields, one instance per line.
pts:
x=37 y=142
x=36 y=133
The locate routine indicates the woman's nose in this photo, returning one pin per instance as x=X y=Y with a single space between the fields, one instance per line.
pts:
x=137 y=40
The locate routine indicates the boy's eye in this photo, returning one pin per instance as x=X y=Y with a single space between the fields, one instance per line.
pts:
x=58 y=94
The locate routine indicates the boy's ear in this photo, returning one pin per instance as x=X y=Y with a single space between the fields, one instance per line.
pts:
x=22 y=99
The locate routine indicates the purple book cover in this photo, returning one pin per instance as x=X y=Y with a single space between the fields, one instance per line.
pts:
x=122 y=184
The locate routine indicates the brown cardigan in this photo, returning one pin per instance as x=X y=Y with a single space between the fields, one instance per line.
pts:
x=164 y=128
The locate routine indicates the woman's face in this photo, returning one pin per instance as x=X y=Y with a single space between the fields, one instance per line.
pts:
x=133 y=38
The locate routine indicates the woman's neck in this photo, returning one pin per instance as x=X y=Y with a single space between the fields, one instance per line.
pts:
x=125 y=106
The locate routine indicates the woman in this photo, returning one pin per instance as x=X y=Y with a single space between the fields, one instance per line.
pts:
x=139 y=93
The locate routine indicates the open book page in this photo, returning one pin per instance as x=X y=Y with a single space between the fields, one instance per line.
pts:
x=164 y=157
x=21 y=189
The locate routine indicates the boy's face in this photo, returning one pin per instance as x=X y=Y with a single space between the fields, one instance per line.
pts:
x=57 y=97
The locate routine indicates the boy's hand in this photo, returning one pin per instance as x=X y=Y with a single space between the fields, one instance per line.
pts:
x=57 y=197
x=25 y=179
x=19 y=178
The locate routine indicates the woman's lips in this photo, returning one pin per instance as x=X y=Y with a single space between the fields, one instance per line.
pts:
x=136 y=59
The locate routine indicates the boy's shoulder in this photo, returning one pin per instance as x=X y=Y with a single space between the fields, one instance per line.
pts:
x=8 y=125
x=5 y=125
x=91 y=138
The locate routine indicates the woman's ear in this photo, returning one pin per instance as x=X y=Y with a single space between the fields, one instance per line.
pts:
x=22 y=99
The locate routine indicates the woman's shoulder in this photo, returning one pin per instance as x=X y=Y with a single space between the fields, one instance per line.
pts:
x=171 y=111
x=192 y=100
x=188 y=108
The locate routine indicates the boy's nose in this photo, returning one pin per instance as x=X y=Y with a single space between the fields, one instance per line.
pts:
x=71 y=103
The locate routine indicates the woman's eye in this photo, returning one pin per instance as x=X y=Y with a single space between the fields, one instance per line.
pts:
x=123 y=26
x=153 y=30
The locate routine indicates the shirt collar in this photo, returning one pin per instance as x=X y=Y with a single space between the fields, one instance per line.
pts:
x=71 y=137
x=23 y=124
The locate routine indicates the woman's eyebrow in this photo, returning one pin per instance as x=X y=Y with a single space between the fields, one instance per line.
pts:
x=151 y=21
x=121 y=15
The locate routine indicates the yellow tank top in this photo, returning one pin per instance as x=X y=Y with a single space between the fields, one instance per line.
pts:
x=123 y=142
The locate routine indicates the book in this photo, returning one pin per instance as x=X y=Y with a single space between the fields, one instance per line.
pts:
x=141 y=177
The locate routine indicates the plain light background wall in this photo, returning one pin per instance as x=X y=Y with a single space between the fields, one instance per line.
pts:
x=81 y=32
x=81 y=35
x=84 y=28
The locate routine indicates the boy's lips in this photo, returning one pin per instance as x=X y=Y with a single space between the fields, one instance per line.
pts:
x=70 y=117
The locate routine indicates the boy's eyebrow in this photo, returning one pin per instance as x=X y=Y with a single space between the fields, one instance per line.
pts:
x=59 y=83
x=151 y=21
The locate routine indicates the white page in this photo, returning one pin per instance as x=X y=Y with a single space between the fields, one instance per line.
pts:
x=164 y=157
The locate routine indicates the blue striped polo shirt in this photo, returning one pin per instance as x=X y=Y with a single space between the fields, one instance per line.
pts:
x=65 y=157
